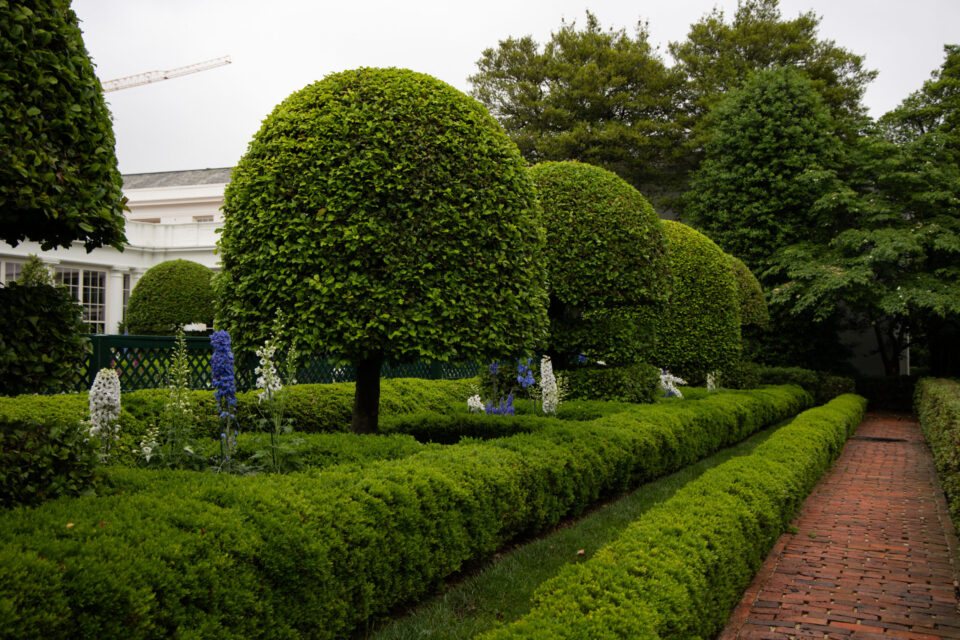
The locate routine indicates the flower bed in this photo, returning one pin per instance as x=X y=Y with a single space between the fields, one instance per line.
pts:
x=678 y=571
x=320 y=553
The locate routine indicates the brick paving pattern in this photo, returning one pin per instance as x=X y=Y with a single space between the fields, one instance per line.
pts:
x=875 y=551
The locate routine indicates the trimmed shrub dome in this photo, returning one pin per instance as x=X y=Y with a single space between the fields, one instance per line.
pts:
x=172 y=293
x=753 y=303
x=605 y=257
x=389 y=216
x=699 y=332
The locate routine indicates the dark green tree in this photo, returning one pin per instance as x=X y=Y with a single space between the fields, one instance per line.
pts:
x=897 y=266
x=390 y=218
x=605 y=257
x=718 y=57
x=593 y=95
x=769 y=174
x=59 y=181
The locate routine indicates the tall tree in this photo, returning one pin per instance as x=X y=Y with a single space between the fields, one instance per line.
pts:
x=59 y=181
x=598 y=96
x=718 y=56
x=897 y=267
x=769 y=174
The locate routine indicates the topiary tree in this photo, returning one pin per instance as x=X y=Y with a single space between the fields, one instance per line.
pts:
x=605 y=257
x=390 y=218
x=699 y=332
x=43 y=346
x=58 y=170
x=168 y=295
x=753 y=303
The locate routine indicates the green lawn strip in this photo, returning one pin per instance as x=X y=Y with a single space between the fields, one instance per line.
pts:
x=501 y=591
x=678 y=571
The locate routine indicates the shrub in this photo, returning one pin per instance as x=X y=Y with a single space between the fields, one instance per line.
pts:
x=821 y=385
x=391 y=218
x=699 y=332
x=938 y=407
x=42 y=346
x=753 y=302
x=888 y=393
x=168 y=295
x=605 y=252
x=679 y=570
x=324 y=552
x=40 y=461
x=58 y=170
x=634 y=383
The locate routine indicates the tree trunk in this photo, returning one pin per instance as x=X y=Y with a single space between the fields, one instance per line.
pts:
x=366 y=400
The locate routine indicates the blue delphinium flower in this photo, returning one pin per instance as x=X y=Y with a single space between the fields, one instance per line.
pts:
x=525 y=374
x=494 y=367
x=581 y=359
x=505 y=408
x=224 y=380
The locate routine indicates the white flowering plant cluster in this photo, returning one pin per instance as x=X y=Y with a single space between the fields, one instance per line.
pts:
x=550 y=390
x=547 y=394
x=104 y=404
x=272 y=401
x=150 y=444
x=178 y=417
x=713 y=381
x=669 y=384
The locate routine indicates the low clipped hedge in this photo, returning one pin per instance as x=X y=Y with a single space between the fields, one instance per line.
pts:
x=938 y=407
x=678 y=571
x=633 y=383
x=821 y=385
x=321 y=553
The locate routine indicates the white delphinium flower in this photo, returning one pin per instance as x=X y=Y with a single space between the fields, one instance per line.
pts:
x=104 y=403
x=669 y=382
x=267 y=379
x=475 y=404
x=150 y=442
x=548 y=385
x=712 y=381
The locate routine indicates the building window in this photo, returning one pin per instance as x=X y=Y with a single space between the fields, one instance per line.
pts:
x=88 y=286
x=203 y=218
x=11 y=271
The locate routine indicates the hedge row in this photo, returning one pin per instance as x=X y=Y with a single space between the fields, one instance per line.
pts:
x=938 y=407
x=44 y=454
x=320 y=553
x=633 y=383
x=821 y=385
x=678 y=571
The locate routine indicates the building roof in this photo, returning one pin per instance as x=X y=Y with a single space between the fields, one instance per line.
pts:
x=176 y=178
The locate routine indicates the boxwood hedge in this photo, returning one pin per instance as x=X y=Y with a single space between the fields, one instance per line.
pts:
x=678 y=571
x=322 y=552
x=938 y=407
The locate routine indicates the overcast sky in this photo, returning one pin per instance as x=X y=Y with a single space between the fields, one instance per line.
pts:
x=208 y=118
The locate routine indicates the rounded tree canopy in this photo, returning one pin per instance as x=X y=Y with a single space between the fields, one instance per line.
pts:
x=58 y=170
x=699 y=332
x=386 y=213
x=605 y=246
x=753 y=303
x=171 y=294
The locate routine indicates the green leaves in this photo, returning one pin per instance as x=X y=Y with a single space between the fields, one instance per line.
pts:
x=59 y=181
x=168 y=295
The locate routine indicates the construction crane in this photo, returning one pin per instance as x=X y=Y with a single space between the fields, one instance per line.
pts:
x=156 y=76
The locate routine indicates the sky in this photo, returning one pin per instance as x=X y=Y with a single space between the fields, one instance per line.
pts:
x=207 y=119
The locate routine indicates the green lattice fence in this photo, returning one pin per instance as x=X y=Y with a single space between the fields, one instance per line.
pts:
x=142 y=362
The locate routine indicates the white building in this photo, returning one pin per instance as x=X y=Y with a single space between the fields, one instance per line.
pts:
x=173 y=215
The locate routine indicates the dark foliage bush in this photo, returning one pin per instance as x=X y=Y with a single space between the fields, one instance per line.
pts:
x=40 y=461
x=43 y=346
x=605 y=256
x=678 y=571
x=58 y=171
x=888 y=393
x=699 y=331
x=325 y=552
x=938 y=407
x=168 y=295
x=823 y=386
x=633 y=383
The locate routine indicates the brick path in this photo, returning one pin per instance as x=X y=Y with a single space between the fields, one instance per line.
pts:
x=875 y=551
